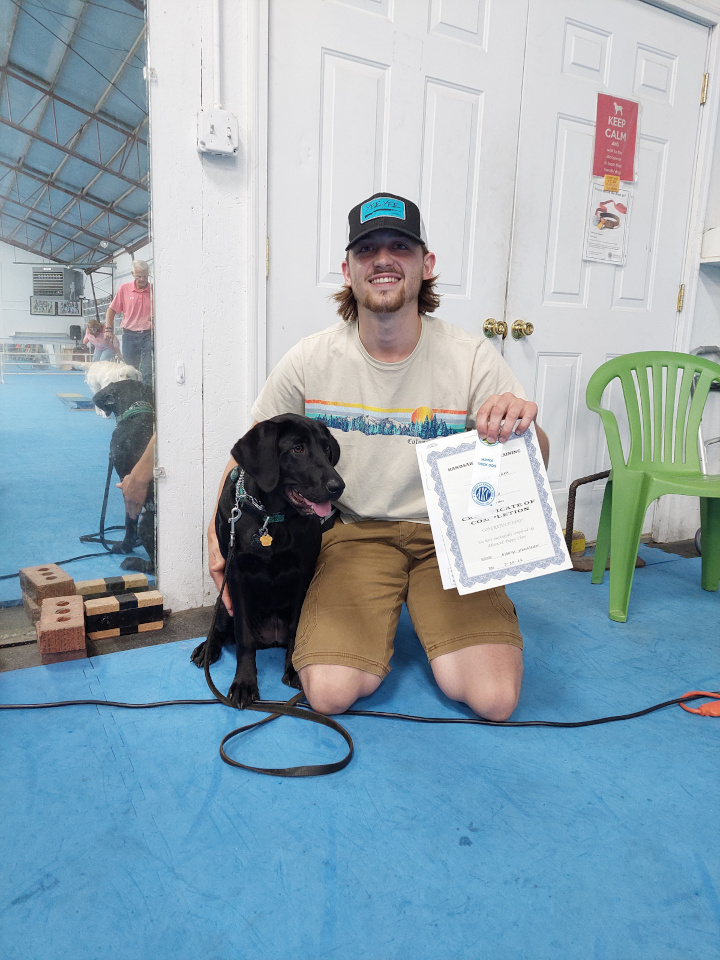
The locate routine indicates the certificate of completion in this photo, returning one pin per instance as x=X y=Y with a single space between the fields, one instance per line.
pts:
x=492 y=515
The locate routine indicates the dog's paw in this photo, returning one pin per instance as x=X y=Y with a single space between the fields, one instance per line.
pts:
x=242 y=694
x=123 y=546
x=138 y=565
x=291 y=679
x=198 y=654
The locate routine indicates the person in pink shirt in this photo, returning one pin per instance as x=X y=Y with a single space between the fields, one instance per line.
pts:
x=104 y=349
x=134 y=301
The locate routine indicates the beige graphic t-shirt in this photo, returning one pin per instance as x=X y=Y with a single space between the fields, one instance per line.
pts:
x=379 y=411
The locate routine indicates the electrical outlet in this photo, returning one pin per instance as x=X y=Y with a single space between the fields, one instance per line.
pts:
x=217 y=132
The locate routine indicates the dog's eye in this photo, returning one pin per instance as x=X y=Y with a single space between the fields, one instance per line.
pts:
x=298 y=448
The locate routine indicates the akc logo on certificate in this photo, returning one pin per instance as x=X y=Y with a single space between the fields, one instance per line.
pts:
x=483 y=494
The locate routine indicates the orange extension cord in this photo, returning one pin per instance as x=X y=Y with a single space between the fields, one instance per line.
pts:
x=711 y=709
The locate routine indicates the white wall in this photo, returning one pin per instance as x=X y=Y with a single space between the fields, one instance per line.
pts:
x=15 y=291
x=202 y=275
x=706 y=319
x=123 y=265
x=16 y=267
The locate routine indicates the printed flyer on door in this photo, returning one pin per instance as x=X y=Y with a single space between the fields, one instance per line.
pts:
x=607 y=226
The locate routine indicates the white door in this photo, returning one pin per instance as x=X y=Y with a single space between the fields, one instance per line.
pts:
x=417 y=97
x=584 y=313
x=425 y=98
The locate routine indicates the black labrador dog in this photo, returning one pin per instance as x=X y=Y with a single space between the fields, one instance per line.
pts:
x=132 y=404
x=279 y=497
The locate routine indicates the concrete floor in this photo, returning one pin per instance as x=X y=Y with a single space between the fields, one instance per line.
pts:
x=18 y=644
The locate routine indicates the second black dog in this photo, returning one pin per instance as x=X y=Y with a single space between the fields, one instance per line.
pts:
x=132 y=404
x=281 y=495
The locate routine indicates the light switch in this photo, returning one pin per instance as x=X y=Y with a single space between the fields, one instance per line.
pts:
x=217 y=133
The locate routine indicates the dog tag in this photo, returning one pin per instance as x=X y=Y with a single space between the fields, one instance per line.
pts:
x=266 y=539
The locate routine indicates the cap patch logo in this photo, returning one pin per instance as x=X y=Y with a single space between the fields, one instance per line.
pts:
x=382 y=207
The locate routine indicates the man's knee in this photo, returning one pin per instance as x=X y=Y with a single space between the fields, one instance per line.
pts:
x=332 y=688
x=496 y=703
x=490 y=699
x=487 y=678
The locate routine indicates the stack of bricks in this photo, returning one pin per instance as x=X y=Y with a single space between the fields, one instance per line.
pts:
x=63 y=610
x=61 y=629
x=39 y=583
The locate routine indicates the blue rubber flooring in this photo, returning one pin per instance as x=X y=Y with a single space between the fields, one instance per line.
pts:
x=125 y=835
x=53 y=470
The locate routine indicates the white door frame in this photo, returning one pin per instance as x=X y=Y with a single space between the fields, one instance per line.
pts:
x=258 y=81
x=259 y=98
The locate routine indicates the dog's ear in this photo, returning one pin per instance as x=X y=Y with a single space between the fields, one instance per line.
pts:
x=257 y=454
x=334 y=449
x=327 y=437
x=106 y=399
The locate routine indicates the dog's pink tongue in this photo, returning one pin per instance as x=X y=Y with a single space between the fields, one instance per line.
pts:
x=321 y=509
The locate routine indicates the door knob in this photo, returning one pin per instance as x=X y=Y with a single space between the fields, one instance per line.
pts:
x=495 y=328
x=522 y=328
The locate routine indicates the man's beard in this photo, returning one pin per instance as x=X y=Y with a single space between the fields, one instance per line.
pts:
x=378 y=301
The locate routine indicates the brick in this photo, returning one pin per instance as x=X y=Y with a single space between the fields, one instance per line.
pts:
x=49 y=580
x=61 y=627
x=124 y=614
x=111 y=586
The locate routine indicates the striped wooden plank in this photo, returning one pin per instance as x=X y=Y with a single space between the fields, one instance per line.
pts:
x=110 y=586
x=116 y=616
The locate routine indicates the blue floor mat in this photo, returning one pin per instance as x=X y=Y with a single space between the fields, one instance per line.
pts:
x=124 y=835
x=53 y=471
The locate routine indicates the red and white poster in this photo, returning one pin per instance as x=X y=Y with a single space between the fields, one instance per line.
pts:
x=615 y=137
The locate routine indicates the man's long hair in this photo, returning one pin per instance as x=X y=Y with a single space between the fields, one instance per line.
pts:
x=428 y=298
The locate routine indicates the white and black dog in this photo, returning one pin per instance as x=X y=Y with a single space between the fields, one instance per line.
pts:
x=101 y=373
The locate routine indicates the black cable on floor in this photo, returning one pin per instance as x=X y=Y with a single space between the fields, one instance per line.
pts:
x=270 y=705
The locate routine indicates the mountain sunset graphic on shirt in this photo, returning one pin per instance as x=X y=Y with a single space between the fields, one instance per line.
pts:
x=421 y=421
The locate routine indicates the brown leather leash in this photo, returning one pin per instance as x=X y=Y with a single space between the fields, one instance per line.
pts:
x=275 y=709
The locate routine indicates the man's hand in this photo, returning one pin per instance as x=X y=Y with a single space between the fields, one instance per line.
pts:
x=517 y=415
x=110 y=315
x=134 y=485
x=216 y=565
x=134 y=491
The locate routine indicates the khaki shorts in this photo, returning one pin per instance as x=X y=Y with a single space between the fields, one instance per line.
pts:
x=364 y=574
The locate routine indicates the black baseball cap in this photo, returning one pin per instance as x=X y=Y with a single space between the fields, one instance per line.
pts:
x=385 y=211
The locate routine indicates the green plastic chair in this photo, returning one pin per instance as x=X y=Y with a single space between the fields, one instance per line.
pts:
x=663 y=458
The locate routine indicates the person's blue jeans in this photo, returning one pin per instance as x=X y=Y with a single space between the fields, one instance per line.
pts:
x=103 y=353
x=137 y=351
